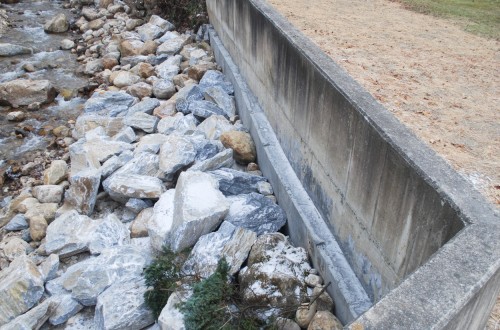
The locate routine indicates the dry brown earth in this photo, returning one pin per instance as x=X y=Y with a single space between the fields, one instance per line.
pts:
x=440 y=81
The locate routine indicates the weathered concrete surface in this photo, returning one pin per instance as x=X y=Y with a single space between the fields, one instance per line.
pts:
x=388 y=199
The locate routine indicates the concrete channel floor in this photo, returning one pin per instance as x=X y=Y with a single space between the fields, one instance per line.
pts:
x=439 y=80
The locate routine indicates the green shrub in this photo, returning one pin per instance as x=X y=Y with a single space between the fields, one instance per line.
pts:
x=162 y=277
x=184 y=14
x=207 y=308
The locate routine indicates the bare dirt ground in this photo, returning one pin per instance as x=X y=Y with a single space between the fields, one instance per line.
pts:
x=439 y=80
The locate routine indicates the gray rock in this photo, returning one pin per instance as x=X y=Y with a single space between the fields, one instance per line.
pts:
x=92 y=67
x=136 y=205
x=199 y=208
x=49 y=267
x=178 y=124
x=107 y=232
x=86 y=280
x=147 y=105
x=264 y=188
x=274 y=275
x=56 y=173
x=18 y=222
x=34 y=318
x=219 y=96
x=114 y=163
x=169 y=35
x=169 y=68
x=186 y=95
x=66 y=308
x=176 y=153
x=150 y=143
x=87 y=122
x=171 y=318
x=139 y=227
x=286 y=324
x=57 y=24
x=205 y=109
x=160 y=224
x=222 y=159
x=142 y=121
x=162 y=23
x=229 y=242
x=144 y=163
x=48 y=193
x=255 y=212
x=233 y=182
x=21 y=288
x=13 y=247
x=173 y=46
x=136 y=59
x=125 y=78
x=72 y=233
x=110 y=104
x=120 y=187
x=82 y=192
x=81 y=159
x=126 y=135
x=122 y=306
x=205 y=149
x=325 y=320
x=163 y=89
x=216 y=78
x=67 y=44
x=149 y=31
x=13 y=50
x=23 y=92
x=323 y=299
x=214 y=126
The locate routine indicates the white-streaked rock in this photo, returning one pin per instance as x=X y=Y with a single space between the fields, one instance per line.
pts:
x=176 y=153
x=21 y=287
x=199 y=207
x=229 y=242
x=72 y=233
x=160 y=224
x=121 y=186
x=122 y=306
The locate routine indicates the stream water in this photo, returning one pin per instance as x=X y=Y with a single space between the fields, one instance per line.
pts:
x=21 y=142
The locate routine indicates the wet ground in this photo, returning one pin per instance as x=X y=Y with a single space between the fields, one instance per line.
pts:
x=21 y=142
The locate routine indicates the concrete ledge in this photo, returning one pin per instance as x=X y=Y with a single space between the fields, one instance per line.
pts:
x=305 y=225
x=421 y=241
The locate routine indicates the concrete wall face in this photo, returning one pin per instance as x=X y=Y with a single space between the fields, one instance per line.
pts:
x=387 y=219
x=422 y=242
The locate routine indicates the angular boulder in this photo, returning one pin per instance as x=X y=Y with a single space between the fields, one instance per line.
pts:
x=13 y=50
x=110 y=104
x=21 y=287
x=82 y=192
x=160 y=224
x=199 y=208
x=122 y=306
x=275 y=274
x=176 y=153
x=233 y=182
x=133 y=186
x=255 y=212
x=23 y=92
x=229 y=242
x=57 y=24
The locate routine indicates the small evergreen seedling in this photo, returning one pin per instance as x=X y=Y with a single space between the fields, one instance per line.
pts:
x=162 y=276
x=207 y=308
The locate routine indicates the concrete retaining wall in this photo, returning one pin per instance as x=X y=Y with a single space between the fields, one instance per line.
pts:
x=394 y=206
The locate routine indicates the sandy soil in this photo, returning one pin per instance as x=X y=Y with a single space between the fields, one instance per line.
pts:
x=439 y=80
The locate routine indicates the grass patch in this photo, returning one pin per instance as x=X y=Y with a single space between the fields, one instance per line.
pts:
x=481 y=17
